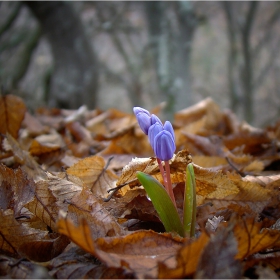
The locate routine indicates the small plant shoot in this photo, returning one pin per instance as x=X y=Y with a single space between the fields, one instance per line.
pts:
x=162 y=140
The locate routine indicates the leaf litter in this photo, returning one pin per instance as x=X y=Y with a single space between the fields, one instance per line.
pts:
x=71 y=205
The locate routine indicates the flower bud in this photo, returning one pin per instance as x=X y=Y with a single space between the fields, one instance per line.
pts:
x=153 y=131
x=168 y=126
x=164 y=145
x=155 y=119
x=144 y=118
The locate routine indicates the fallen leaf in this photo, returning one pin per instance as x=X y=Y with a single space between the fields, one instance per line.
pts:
x=218 y=258
x=252 y=238
x=16 y=189
x=187 y=259
x=51 y=196
x=76 y=264
x=93 y=172
x=139 y=252
x=18 y=239
x=12 y=111
x=85 y=205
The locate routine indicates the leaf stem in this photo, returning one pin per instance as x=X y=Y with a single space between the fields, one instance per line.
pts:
x=162 y=172
x=169 y=185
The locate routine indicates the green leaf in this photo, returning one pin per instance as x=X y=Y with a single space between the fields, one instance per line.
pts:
x=189 y=215
x=162 y=202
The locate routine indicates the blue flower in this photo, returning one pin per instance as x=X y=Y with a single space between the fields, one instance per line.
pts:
x=155 y=119
x=144 y=118
x=153 y=131
x=168 y=126
x=164 y=145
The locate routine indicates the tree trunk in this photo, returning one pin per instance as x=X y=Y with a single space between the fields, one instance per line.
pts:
x=172 y=51
x=187 y=24
x=247 y=69
x=232 y=56
x=74 y=80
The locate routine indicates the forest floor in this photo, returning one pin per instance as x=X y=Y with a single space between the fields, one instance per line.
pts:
x=60 y=217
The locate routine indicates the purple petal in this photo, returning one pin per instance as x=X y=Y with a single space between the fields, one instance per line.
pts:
x=138 y=110
x=144 y=118
x=168 y=126
x=155 y=119
x=153 y=131
x=164 y=145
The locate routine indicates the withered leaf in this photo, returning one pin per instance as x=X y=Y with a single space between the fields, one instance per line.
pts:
x=187 y=259
x=50 y=197
x=252 y=239
x=16 y=189
x=139 y=252
x=18 y=239
x=12 y=111
x=87 y=206
x=12 y=268
x=47 y=154
x=29 y=165
x=206 y=116
x=92 y=172
x=76 y=264
x=149 y=166
x=218 y=258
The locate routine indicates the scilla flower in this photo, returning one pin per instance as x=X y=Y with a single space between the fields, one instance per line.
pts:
x=162 y=140
x=144 y=118
x=164 y=145
x=153 y=131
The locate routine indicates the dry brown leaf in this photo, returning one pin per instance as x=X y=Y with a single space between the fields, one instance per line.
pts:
x=12 y=111
x=149 y=166
x=18 y=239
x=139 y=252
x=207 y=110
x=92 y=171
x=33 y=125
x=187 y=259
x=252 y=141
x=213 y=184
x=252 y=238
x=85 y=205
x=29 y=165
x=218 y=258
x=12 y=268
x=133 y=205
x=50 y=197
x=16 y=189
x=47 y=154
x=129 y=142
x=76 y=264
x=209 y=161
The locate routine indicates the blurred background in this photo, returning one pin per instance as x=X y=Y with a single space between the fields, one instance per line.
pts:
x=141 y=53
